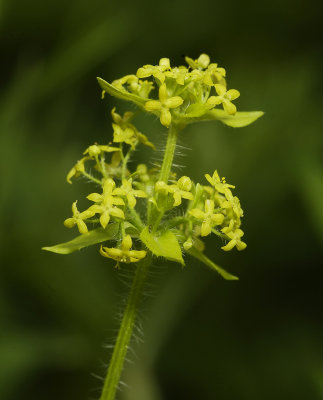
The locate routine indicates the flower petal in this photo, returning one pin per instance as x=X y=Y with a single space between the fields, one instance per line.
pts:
x=220 y=89
x=229 y=107
x=104 y=219
x=81 y=226
x=232 y=94
x=165 y=117
x=174 y=102
x=197 y=213
x=153 y=105
x=205 y=228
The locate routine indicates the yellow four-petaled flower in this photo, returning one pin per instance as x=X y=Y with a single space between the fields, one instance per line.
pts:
x=208 y=217
x=123 y=254
x=78 y=218
x=163 y=105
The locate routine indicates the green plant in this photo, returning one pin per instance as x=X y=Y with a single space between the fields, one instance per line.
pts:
x=150 y=212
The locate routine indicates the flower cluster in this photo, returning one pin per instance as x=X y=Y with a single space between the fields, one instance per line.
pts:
x=141 y=210
x=204 y=209
x=184 y=93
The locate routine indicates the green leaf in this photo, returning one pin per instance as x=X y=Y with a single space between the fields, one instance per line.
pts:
x=163 y=245
x=238 y=120
x=205 y=260
x=197 y=110
x=121 y=94
x=88 y=239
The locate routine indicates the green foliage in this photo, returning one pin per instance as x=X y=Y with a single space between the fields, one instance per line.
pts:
x=162 y=244
x=88 y=239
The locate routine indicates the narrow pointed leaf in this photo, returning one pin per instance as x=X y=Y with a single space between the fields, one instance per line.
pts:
x=163 y=245
x=88 y=239
x=120 y=94
x=205 y=260
x=238 y=120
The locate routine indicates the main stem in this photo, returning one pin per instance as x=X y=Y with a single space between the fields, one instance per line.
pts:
x=125 y=332
x=120 y=349
x=169 y=154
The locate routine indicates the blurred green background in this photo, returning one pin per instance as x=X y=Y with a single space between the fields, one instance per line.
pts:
x=204 y=338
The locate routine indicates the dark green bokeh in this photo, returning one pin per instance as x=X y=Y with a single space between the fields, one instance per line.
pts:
x=204 y=338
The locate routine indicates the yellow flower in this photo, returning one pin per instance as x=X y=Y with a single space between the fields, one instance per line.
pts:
x=157 y=71
x=124 y=254
x=181 y=189
x=235 y=236
x=78 y=219
x=163 y=105
x=95 y=150
x=180 y=74
x=118 y=83
x=215 y=74
x=208 y=218
x=130 y=193
x=125 y=131
x=106 y=203
x=78 y=169
x=224 y=97
x=126 y=135
x=219 y=184
x=233 y=203
x=201 y=63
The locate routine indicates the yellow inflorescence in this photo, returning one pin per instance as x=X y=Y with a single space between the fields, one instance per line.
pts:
x=202 y=84
x=182 y=93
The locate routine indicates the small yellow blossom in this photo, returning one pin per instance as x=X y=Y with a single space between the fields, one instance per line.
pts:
x=219 y=184
x=127 y=190
x=78 y=169
x=201 y=63
x=181 y=189
x=140 y=88
x=208 y=218
x=235 y=236
x=126 y=135
x=215 y=74
x=224 y=97
x=125 y=132
x=157 y=71
x=78 y=219
x=106 y=203
x=118 y=83
x=124 y=254
x=163 y=105
x=95 y=150
x=180 y=74
x=233 y=203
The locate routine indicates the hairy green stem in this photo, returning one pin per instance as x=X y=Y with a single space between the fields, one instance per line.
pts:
x=125 y=332
x=90 y=177
x=169 y=154
x=154 y=215
x=120 y=349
